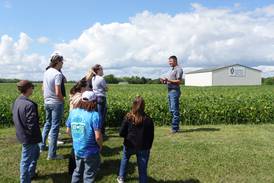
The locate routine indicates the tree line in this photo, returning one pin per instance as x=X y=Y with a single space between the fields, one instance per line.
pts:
x=111 y=79
x=130 y=80
x=268 y=81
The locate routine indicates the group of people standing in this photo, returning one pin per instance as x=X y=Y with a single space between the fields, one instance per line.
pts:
x=86 y=122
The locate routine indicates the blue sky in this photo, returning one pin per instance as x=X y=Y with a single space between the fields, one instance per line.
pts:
x=51 y=17
x=63 y=21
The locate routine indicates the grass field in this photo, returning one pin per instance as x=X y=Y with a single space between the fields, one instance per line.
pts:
x=199 y=154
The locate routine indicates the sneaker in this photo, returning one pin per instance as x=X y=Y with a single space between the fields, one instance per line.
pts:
x=57 y=157
x=120 y=180
x=59 y=142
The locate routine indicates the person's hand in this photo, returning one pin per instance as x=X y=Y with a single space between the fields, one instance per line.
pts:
x=163 y=80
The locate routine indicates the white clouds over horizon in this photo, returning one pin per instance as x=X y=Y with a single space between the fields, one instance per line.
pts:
x=15 y=62
x=204 y=37
x=201 y=38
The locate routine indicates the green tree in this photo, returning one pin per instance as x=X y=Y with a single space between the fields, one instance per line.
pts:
x=111 y=79
x=268 y=81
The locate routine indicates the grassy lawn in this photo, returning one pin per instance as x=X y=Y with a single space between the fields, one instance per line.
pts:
x=206 y=154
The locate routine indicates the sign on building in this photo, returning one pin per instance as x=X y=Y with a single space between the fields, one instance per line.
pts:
x=236 y=71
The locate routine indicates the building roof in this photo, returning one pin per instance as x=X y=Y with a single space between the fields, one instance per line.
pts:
x=217 y=68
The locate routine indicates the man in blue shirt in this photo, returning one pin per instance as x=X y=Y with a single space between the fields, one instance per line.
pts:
x=84 y=126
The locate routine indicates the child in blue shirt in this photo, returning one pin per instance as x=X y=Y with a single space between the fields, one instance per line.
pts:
x=84 y=126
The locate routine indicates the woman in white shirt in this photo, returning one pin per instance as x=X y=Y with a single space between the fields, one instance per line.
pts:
x=99 y=87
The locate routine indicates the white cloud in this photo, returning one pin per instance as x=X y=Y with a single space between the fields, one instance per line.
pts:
x=266 y=70
x=43 y=40
x=15 y=62
x=267 y=11
x=23 y=43
x=201 y=38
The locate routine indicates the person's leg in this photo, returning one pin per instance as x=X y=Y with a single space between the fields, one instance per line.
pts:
x=92 y=165
x=47 y=126
x=104 y=113
x=57 y=114
x=77 y=175
x=174 y=96
x=101 y=102
x=72 y=164
x=35 y=156
x=124 y=163
x=25 y=163
x=142 y=161
x=59 y=142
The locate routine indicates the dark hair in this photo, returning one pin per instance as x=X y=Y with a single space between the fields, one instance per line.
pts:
x=55 y=59
x=173 y=57
x=96 y=68
x=78 y=86
x=88 y=106
x=24 y=85
x=137 y=113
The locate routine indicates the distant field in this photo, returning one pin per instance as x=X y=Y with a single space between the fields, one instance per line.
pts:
x=199 y=105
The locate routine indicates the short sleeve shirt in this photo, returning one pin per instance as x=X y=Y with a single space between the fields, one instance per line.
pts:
x=52 y=77
x=83 y=125
x=99 y=85
x=176 y=73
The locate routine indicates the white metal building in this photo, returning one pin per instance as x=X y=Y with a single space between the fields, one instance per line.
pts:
x=224 y=76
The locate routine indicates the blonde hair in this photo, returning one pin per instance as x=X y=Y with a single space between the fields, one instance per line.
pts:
x=90 y=74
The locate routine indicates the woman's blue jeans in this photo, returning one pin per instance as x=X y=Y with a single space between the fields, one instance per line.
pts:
x=102 y=110
x=54 y=114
